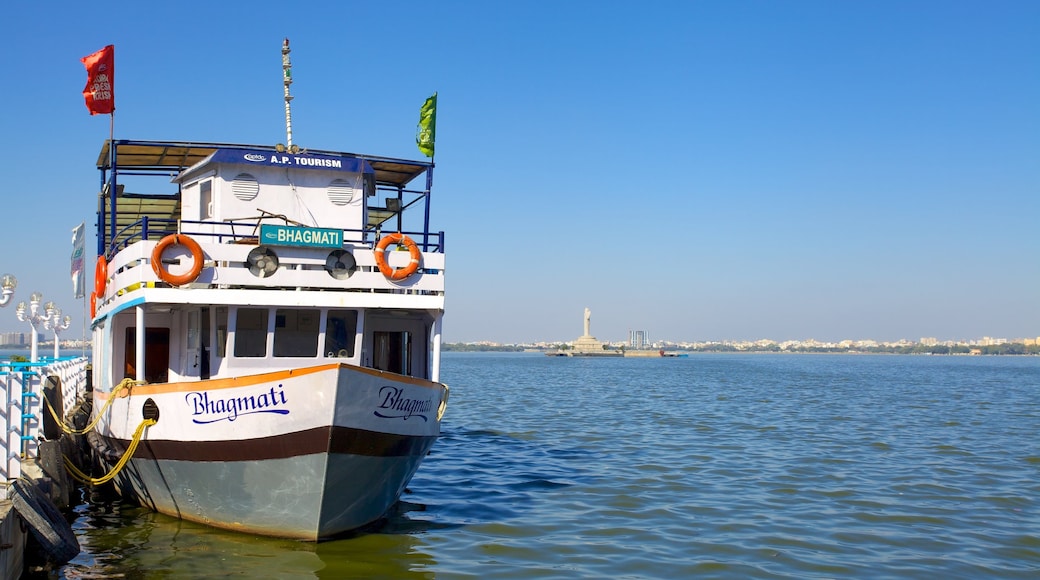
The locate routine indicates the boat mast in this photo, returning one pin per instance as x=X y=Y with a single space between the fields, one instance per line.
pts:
x=287 y=80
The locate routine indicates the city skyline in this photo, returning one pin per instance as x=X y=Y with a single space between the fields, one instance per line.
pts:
x=643 y=335
x=844 y=343
x=23 y=339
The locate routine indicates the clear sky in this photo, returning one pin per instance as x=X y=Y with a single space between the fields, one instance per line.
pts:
x=699 y=170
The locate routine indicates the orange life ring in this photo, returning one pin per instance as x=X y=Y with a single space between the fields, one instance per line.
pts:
x=100 y=276
x=93 y=305
x=196 y=257
x=413 y=252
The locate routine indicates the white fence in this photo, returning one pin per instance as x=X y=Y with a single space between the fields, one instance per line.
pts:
x=22 y=406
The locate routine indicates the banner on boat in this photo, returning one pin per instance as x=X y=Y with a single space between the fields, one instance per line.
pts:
x=78 y=277
x=275 y=235
x=426 y=132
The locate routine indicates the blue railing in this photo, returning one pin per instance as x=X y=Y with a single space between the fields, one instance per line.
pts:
x=21 y=405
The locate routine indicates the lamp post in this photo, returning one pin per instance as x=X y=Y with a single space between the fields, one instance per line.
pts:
x=34 y=318
x=58 y=324
x=7 y=283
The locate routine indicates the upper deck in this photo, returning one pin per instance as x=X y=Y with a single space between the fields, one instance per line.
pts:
x=230 y=198
x=223 y=189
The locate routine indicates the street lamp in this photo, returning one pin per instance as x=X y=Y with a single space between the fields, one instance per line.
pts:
x=7 y=283
x=34 y=318
x=58 y=324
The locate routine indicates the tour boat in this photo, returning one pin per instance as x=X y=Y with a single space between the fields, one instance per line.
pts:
x=266 y=324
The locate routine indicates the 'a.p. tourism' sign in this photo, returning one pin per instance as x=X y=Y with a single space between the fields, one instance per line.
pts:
x=275 y=235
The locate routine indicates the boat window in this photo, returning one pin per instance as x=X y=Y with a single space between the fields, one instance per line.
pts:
x=340 y=332
x=206 y=199
x=251 y=332
x=296 y=332
x=206 y=347
x=392 y=351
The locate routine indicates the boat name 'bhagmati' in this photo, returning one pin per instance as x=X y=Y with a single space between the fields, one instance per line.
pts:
x=206 y=409
x=394 y=399
x=302 y=236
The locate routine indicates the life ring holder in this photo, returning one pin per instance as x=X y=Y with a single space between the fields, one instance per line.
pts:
x=100 y=276
x=196 y=257
x=413 y=253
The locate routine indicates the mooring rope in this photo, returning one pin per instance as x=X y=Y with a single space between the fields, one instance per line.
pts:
x=125 y=385
x=88 y=480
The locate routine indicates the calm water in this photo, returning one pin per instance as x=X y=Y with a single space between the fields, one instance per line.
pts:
x=713 y=466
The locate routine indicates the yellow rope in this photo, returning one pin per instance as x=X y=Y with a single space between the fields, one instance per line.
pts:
x=84 y=478
x=126 y=384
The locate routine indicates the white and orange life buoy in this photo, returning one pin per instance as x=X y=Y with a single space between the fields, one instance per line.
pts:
x=100 y=276
x=93 y=305
x=196 y=260
x=413 y=253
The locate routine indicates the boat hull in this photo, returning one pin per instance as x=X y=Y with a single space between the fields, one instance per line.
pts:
x=305 y=454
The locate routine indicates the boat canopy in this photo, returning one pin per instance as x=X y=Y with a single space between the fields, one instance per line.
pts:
x=124 y=216
x=170 y=156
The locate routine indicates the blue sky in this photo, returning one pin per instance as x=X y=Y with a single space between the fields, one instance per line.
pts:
x=698 y=170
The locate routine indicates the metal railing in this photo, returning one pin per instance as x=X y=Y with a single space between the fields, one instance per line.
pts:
x=22 y=406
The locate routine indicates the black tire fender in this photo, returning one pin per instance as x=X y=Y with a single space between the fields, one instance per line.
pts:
x=52 y=393
x=45 y=521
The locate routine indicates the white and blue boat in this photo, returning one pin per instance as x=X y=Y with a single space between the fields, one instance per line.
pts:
x=267 y=326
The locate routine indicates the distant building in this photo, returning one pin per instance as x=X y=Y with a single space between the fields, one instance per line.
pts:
x=638 y=339
x=13 y=339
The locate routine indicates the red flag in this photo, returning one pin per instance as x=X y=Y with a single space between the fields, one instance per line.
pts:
x=99 y=92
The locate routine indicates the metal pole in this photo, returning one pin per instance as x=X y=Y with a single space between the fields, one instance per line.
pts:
x=287 y=80
x=435 y=371
x=112 y=176
x=426 y=207
x=139 y=345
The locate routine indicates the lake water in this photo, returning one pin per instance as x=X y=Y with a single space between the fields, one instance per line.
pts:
x=712 y=466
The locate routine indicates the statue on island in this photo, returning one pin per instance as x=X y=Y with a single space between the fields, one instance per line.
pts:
x=586 y=344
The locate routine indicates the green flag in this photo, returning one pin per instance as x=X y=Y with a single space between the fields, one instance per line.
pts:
x=426 y=133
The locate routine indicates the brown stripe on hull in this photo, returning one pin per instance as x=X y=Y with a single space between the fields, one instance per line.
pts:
x=319 y=440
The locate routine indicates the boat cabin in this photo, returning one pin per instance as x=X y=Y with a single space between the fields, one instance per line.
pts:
x=246 y=259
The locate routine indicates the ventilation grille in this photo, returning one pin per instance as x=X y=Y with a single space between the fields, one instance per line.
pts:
x=340 y=192
x=245 y=187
